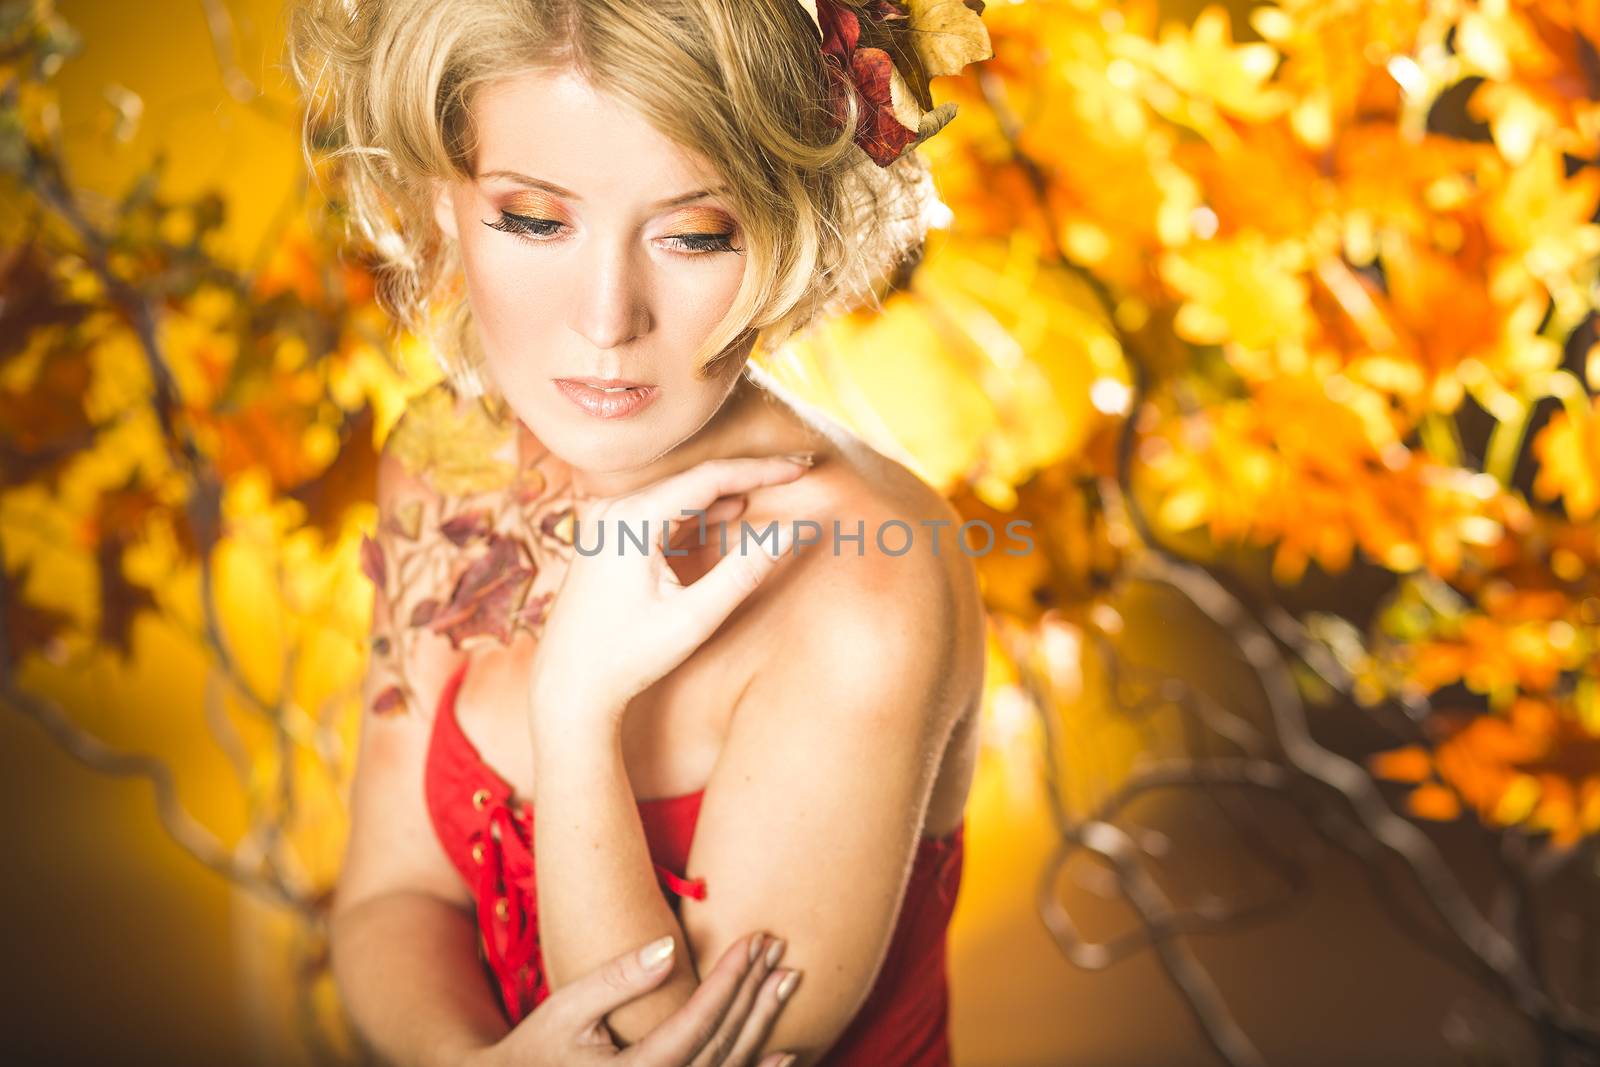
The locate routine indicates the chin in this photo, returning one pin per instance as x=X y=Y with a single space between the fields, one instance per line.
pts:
x=596 y=445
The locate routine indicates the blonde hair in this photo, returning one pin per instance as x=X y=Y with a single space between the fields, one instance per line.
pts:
x=389 y=86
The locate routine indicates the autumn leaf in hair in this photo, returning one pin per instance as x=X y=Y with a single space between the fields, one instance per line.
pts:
x=886 y=61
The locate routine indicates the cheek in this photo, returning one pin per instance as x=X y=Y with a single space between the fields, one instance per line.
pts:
x=696 y=295
x=514 y=299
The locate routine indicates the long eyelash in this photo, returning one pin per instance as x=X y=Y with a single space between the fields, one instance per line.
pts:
x=706 y=242
x=523 y=226
x=541 y=229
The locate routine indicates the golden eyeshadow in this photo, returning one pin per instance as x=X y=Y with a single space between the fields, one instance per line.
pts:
x=702 y=220
x=535 y=204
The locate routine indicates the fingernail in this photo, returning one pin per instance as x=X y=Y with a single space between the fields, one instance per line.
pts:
x=807 y=458
x=755 y=946
x=775 y=953
x=788 y=1058
x=656 y=953
x=786 y=986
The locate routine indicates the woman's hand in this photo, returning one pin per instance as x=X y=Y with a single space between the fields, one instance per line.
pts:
x=620 y=622
x=722 y=1024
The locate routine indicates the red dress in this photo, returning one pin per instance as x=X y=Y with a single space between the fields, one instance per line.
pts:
x=487 y=835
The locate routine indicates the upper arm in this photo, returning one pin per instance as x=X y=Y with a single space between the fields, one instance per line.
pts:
x=812 y=817
x=392 y=843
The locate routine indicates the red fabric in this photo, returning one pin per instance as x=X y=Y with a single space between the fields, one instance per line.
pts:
x=487 y=834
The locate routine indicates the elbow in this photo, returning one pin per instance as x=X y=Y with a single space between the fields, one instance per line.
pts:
x=807 y=1027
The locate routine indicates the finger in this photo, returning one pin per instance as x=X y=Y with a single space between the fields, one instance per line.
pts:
x=692 y=528
x=716 y=1050
x=698 y=486
x=758 y=1025
x=712 y=598
x=614 y=983
x=678 y=1037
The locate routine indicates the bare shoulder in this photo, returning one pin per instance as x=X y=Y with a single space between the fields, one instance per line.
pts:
x=878 y=573
x=461 y=491
x=408 y=561
x=391 y=844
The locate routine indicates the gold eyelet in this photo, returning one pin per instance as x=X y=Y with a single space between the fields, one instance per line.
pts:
x=502 y=909
x=480 y=799
x=477 y=852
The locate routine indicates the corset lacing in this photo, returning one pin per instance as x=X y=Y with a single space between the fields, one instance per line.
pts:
x=507 y=898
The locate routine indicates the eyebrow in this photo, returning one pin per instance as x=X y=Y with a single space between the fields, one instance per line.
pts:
x=551 y=187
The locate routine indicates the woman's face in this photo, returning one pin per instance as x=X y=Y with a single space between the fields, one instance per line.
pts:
x=593 y=247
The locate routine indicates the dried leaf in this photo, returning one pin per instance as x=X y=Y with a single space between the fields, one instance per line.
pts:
x=452 y=446
x=948 y=35
x=407 y=520
x=346 y=481
x=558 y=525
x=391 y=700
x=487 y=596
x=372 y=563
x=425 y=611
x=467 y=526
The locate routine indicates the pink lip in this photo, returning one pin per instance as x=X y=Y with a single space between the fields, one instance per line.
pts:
x=586 y=393
x=605 y=383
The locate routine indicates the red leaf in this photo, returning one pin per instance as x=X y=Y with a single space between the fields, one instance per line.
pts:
x=487 y=596
x=424 y=612
x=389 y=701
x=532 y=613
x=468 y=526
x=864 y=71
x=879 y=133
x=372 y=564
x=347 y=480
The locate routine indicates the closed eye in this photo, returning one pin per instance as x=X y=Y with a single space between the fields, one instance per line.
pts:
x=705 y=242
x=524 y=226
x=530 y=228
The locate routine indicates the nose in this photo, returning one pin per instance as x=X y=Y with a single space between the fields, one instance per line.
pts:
x=611 y=299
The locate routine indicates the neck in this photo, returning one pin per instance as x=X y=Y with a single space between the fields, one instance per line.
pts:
x=751 y=422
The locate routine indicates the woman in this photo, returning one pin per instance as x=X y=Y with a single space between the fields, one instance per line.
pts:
x=611 y=203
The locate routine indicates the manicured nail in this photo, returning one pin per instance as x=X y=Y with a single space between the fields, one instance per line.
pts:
x=656 y=953
x=807 y=458
x=775 y=953
x=786 y=986
x=755 y=946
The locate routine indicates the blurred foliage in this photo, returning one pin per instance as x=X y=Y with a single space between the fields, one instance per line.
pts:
x=1351 y=265
x=1314 y=291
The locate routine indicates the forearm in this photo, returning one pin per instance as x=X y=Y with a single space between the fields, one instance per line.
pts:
x=598 y=895
x=407 y=970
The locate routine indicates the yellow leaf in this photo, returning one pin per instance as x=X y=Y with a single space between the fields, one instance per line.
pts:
x=453 y=446
x=1517 y=802
x=947 y=35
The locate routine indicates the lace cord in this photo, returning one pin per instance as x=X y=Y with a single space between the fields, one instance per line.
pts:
x=507 y=904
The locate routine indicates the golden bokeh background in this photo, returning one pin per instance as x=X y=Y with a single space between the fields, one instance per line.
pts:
x=1335 y=262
